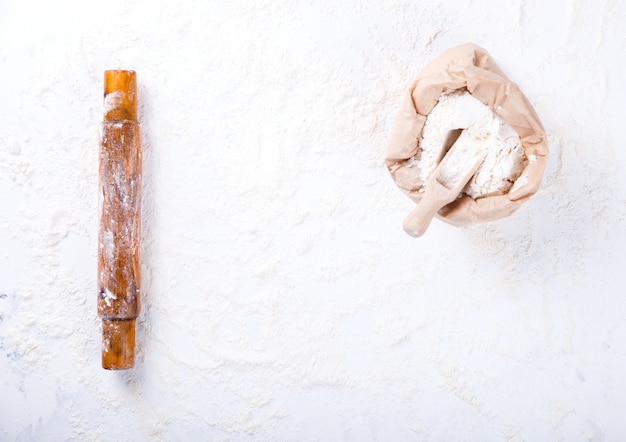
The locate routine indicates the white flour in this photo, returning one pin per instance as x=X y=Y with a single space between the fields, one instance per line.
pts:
x=281 y=298
x=504 y=158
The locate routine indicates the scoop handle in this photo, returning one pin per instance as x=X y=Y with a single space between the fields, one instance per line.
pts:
x=418 y=220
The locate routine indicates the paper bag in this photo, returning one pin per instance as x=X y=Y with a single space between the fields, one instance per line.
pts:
x=467 y=67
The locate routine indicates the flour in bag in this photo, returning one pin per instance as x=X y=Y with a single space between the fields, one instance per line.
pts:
x=504 y=160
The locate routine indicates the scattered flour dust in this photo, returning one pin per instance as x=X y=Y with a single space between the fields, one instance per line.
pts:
x=112 y=101
x=108 y=296
x=484 y=131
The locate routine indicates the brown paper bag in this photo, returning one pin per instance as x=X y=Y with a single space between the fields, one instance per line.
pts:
x=466 y=67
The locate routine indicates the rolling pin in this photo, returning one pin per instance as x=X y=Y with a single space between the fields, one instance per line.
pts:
x=120 y=220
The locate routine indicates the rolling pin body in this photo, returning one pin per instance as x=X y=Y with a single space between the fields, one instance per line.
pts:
x=119 y=268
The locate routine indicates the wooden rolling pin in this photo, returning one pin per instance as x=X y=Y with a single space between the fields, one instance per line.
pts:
x=120 y=220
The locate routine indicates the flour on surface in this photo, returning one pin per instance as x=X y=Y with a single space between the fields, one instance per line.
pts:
x=280 y=298
x=108 y=296
x=112 y=101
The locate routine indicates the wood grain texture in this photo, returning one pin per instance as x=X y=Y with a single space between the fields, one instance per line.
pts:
x=119 y=266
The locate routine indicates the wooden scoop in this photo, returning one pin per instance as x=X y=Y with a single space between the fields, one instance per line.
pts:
x=445 y=183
